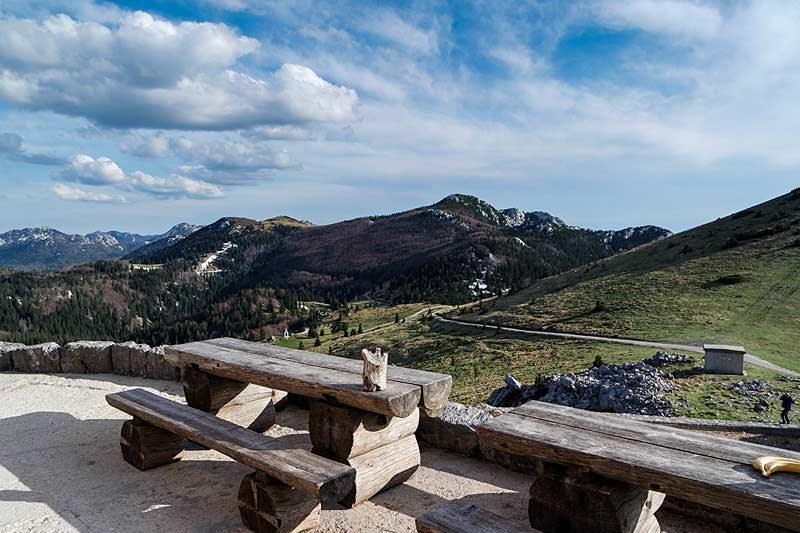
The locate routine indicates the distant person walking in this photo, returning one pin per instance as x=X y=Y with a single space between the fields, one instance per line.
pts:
x=786 y=402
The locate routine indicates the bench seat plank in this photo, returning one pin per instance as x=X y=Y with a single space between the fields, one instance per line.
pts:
x=298 y=468
x=685 y=466
x=435 y=387
x=461 y=516
x=688 y=441
x=399 y=399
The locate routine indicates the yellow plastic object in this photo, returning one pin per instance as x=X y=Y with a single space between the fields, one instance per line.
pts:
x=768 y=464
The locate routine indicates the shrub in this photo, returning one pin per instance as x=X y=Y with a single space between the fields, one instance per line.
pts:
x=730 y=279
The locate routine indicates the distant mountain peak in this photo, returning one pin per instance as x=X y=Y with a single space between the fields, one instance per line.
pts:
x=49 y=249
x=471 y=206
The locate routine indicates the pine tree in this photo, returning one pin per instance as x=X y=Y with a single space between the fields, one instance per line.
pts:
x=360 y=329
x=300 y=346
x=397 y=318
x=317 y=343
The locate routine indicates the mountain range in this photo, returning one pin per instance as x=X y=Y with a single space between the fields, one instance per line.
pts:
x=432 y=252
x=246 y=278
x=42 y=249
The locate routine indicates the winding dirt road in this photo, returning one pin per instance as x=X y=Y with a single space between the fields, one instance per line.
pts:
x=748 y=358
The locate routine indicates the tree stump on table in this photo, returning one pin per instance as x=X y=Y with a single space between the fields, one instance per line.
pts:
x=374 y=372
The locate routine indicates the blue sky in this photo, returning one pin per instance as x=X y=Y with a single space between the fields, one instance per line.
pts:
x=607 y=113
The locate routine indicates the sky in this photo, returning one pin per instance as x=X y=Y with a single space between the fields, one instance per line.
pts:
x=607 y=113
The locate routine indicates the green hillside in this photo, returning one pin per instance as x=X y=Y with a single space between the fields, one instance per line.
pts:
x=734 y=280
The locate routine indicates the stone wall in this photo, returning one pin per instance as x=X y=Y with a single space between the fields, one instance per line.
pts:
x=88 y=357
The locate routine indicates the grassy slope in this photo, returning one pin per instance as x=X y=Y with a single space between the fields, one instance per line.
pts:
x=674 y=290
x=478 y=360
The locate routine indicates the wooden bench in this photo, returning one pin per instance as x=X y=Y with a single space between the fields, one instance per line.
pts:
x=459 y=516
x=284 y=492
x=373 y=432
x=596 y=472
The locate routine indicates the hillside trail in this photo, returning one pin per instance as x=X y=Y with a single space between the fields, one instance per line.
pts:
x=748 y=358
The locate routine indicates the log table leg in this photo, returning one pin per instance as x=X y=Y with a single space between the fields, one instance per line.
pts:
x=145 y=446
x=383 y=450
x=267 y=505
x=243 y=404
x=572 y=500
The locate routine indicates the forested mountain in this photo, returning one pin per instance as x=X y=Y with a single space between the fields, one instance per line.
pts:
x=42 y=249
x=244 y=277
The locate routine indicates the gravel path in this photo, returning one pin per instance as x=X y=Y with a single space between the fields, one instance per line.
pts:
x=748 y=358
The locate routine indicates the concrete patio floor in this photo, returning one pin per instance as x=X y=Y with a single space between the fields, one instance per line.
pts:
x=61 y=470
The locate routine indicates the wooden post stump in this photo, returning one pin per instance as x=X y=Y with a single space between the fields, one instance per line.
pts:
x=580 y=501
x=145 y=446
x=267 y=505
x=383 y=450
x=374 y=371
x=243 y=404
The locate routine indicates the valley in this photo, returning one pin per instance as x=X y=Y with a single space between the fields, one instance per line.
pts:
x=383 y=280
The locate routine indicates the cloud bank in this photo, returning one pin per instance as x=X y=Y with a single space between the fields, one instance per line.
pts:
x=145 y=72
x=102 y=171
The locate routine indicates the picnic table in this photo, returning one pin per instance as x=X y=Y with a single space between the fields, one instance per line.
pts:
x=363 y=442
x=598 y=472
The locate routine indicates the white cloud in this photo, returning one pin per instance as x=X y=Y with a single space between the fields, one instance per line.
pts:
x=173 y=187
x=228 y=155
x=105 y=172
x=153 y=146
x=286 y=133
x=65 y=192
x=85 y=169
x=682 y=18
x=11 y=147
x=386 y=23
x=217 y=160
x=169 y=76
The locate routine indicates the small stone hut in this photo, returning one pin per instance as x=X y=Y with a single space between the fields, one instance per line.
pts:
x=722 y=359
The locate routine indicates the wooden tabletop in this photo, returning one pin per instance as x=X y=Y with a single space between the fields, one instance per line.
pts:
x=713 y=471
x=315 y=375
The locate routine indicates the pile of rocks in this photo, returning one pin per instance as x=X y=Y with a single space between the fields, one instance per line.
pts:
x=663 y=359
x=757 y=393
x=88 y=357
x=628 y=388
x=454 y=429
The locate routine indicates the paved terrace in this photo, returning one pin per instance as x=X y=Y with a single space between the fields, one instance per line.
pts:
x=61 y=470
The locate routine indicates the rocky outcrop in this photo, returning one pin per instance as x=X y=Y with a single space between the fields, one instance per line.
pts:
x=663 y=359
x=88 y=357
x=628 y=388
x=758 y=395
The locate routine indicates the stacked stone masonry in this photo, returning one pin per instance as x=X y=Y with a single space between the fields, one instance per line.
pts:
x=88 y=357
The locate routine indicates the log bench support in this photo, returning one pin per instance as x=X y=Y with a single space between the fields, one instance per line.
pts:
x=383 y=450
x=145 y=446
x=267 y=505
x=245 y=405
x=573 y=500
